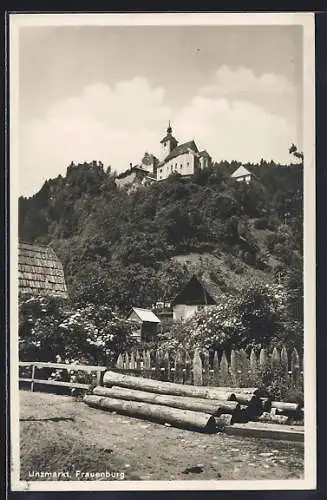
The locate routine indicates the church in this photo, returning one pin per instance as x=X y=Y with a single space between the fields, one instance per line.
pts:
x=184 y=159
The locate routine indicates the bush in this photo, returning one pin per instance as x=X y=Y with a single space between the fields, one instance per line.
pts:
x=49 y=328
x=254 y=318
x=261 y=223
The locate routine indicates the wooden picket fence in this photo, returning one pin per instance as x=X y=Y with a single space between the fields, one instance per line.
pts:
x=235 y=369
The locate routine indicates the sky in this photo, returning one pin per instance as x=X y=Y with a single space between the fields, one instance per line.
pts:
x=107 y=93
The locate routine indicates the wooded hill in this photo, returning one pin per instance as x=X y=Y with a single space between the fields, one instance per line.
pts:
x=136 y=248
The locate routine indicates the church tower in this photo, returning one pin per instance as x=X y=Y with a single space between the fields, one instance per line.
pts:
x=168 y=143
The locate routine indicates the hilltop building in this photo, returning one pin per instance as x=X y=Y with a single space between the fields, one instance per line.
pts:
x=40 y=272
x=184 y=159
x=242 y=174
x=135 y=177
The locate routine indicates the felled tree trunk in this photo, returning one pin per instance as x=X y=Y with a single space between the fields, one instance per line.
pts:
x=287 y=407
x=112 y=378
x=176 y=417
x=214 y=407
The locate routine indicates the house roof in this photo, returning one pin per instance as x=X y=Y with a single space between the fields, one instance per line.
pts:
x=198 y=290
x=40 y=272
x=151 y=176
x=241 y=172
x=135 y=169
x=145 y=315
x=181 y=149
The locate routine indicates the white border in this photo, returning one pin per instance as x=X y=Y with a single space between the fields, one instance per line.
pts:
x=186 y=19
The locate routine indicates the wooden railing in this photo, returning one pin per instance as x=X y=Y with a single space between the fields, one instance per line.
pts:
x=70 y=384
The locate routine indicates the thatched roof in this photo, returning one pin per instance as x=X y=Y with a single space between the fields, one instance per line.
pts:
x=40 y=272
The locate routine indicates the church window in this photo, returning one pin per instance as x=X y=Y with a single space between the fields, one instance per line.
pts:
x=188 y=164
x=161 y=170
x=181 y=166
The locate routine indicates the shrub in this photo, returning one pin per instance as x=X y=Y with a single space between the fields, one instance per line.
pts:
x=252 y=319
x=49 y=328
x=261 y=223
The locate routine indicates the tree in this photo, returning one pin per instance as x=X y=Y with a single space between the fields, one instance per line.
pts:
x=294 y=151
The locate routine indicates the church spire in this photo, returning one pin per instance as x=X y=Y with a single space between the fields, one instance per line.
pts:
x=168 y=143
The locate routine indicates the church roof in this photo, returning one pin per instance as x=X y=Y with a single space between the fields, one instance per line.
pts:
x=181 y=149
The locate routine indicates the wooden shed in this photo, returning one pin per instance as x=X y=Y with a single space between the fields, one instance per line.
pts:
x=197 y=295
x=145 y=322
x=40 y=272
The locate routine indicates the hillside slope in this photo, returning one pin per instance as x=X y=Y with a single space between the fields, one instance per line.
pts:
x=134 y=249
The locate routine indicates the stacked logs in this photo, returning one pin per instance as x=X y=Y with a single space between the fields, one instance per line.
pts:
x=203 y=409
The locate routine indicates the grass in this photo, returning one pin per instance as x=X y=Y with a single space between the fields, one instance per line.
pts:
x=58 y=433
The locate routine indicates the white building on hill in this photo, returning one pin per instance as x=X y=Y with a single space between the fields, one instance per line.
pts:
x=242 y=174
x=184 y=159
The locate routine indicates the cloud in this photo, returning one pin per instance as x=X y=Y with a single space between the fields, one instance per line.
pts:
x=114 y=125
x=236 y=130
x=118 y=124
x=242 y=81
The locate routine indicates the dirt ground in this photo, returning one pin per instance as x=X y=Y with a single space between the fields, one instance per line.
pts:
x=62 y=433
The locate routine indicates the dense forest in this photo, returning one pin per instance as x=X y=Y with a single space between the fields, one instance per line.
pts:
x=135 y=248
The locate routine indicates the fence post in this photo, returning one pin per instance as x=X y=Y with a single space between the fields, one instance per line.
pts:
x=275 y=359
x=132 y=361
x=295 y=367
x=178 y=376
x=253 y=367
x=126 y=361
x=245 y=368
x=167 y=366
x=197 y=368
x=158 y=363
x=120 y=362
x=233 y=368
x=263 y=359
x=33 y=377
x=206 y=367
x=224 y=375
x=284 y=362
x=138 y=360
x=215 y=366
x=188 y=368
x=147 y=360
x=99 y=379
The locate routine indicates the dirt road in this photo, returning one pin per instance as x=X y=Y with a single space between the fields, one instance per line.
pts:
x=60 y=433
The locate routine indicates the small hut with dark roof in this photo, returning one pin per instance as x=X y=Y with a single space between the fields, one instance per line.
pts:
x=40 y=272
x=198 y=294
